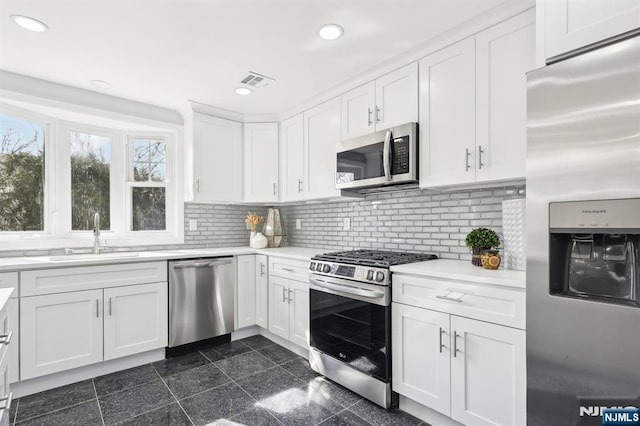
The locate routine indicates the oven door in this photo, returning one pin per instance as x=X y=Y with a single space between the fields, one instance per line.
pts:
x=380 y=158
x=349 y=326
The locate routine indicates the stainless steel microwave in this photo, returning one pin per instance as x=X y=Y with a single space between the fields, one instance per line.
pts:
x=387 y=157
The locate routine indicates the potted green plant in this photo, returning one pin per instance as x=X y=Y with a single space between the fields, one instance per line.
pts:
x=481 y=239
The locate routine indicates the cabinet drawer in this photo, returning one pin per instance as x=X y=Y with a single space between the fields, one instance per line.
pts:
x=49 y=281
x=289 y=268
x=10 y=280
x=500 y=305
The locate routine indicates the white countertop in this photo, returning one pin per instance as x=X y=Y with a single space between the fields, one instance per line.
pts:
x=463 y=270
x=40 y=262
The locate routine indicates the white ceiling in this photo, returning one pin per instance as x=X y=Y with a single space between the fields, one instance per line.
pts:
x=165 y=52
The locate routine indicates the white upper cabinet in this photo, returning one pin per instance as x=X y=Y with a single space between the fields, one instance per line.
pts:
x=389 y=101
x=321 y=134
x=447 y=115
x=473 y=106
x=217 y=159
x=261 y=162
x=397 y=97
x=572 y=24
x=504 y=54
x=292 y=159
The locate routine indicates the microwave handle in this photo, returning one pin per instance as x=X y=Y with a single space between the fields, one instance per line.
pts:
x=386 y=154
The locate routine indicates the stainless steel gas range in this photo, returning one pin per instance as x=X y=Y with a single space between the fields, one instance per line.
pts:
x=350 y=309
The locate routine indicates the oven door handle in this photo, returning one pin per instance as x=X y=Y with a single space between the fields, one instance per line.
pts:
x=386 y=155
x=346 y=289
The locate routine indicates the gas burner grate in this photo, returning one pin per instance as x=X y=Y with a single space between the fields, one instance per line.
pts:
x=375 y=257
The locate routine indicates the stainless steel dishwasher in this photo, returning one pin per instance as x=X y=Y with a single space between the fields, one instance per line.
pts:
x=201 y=299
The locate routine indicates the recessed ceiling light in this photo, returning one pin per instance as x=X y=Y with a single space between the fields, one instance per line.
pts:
x=29 y=23
x=100 y=84
x=244 y=91
x=330 y=31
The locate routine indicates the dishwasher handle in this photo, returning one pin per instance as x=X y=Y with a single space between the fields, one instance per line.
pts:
x=200 y=264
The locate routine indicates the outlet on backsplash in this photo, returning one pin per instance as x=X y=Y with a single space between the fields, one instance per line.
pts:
x=346 y=225
x=298 y=224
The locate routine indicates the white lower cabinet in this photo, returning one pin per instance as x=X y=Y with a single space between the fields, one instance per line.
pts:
x=69 y=330
x=245 y=291
x=262 y=290
x=6 y=343
x=469 y=370
x=60 y=332
x=289 y=309
x=135 y=319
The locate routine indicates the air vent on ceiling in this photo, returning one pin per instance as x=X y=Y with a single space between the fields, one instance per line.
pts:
x=254 y=80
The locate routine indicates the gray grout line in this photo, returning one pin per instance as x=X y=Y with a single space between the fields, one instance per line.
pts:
x=173 y=395
x=95 y=391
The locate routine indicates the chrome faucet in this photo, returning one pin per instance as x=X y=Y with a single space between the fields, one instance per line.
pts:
x=96 y=233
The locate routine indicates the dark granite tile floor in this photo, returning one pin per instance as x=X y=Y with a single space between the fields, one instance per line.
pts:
x=251 y=382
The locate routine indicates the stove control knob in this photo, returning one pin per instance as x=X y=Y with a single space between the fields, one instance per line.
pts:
x=370 y=275
x=380 y=277
x=326 y=268
x=312 y=266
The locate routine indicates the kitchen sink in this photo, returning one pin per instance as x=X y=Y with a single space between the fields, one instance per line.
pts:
x=91 y=256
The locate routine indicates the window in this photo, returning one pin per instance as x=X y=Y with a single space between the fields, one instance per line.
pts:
x=129 y=178
x=148 y=189
x=21 y=174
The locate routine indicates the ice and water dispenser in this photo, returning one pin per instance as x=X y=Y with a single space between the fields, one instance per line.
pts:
x=594 y=250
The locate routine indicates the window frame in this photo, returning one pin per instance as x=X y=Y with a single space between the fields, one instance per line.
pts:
x=57 y=232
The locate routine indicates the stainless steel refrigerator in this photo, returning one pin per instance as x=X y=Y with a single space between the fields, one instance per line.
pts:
x=583 y=227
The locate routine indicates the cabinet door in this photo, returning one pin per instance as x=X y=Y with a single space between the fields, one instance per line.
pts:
x=571 y=24
x=504 y=54
x=299 y=313
x=262 y=291
x=60 y=332
x=261 y=162
x=279 y=306
x=321 y=134
x=421 y=356
x=358 y=108
x=5 y=389
x=292 y=159
x=14 y=347
x=447 y=116
x=217 y=159
x=246 y=291
x=136 y=319
x=488 y=374
x=397 y=97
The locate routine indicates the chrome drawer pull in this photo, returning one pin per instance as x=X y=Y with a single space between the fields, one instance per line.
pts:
x=5 y=339
x=6 y=402
x=288 y=269
x=452 y=299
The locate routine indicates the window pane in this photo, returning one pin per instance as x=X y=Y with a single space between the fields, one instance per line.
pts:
x=90 y=169
x=148 y=209
x=21 y=174
x=148 y=160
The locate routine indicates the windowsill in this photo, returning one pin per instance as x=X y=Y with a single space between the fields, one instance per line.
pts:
x=48 y=242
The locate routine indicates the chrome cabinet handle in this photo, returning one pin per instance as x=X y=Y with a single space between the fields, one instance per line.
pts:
x=455 y=344
x=466 y=159
x=378 y=114
x=197 y=185
x=109 y=306
x=6 y=402
x=288 y=269
x=261 y=269
x=5 y=339
x=369 y=112
x=274 y=188
x=440 y=343
x=480 y=152
x=299 y=185
x=284 y=294
x=290 y=298
x=97 y=309
x=386 y=155
x=446 y=297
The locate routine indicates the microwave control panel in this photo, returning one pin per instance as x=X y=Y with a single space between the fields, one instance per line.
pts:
x=400 y=149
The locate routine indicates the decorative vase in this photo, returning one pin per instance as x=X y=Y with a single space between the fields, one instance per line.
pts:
x=258 y=241
x=476 y=253
x=274 y=227
x=490 y=259
x=251 y=235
